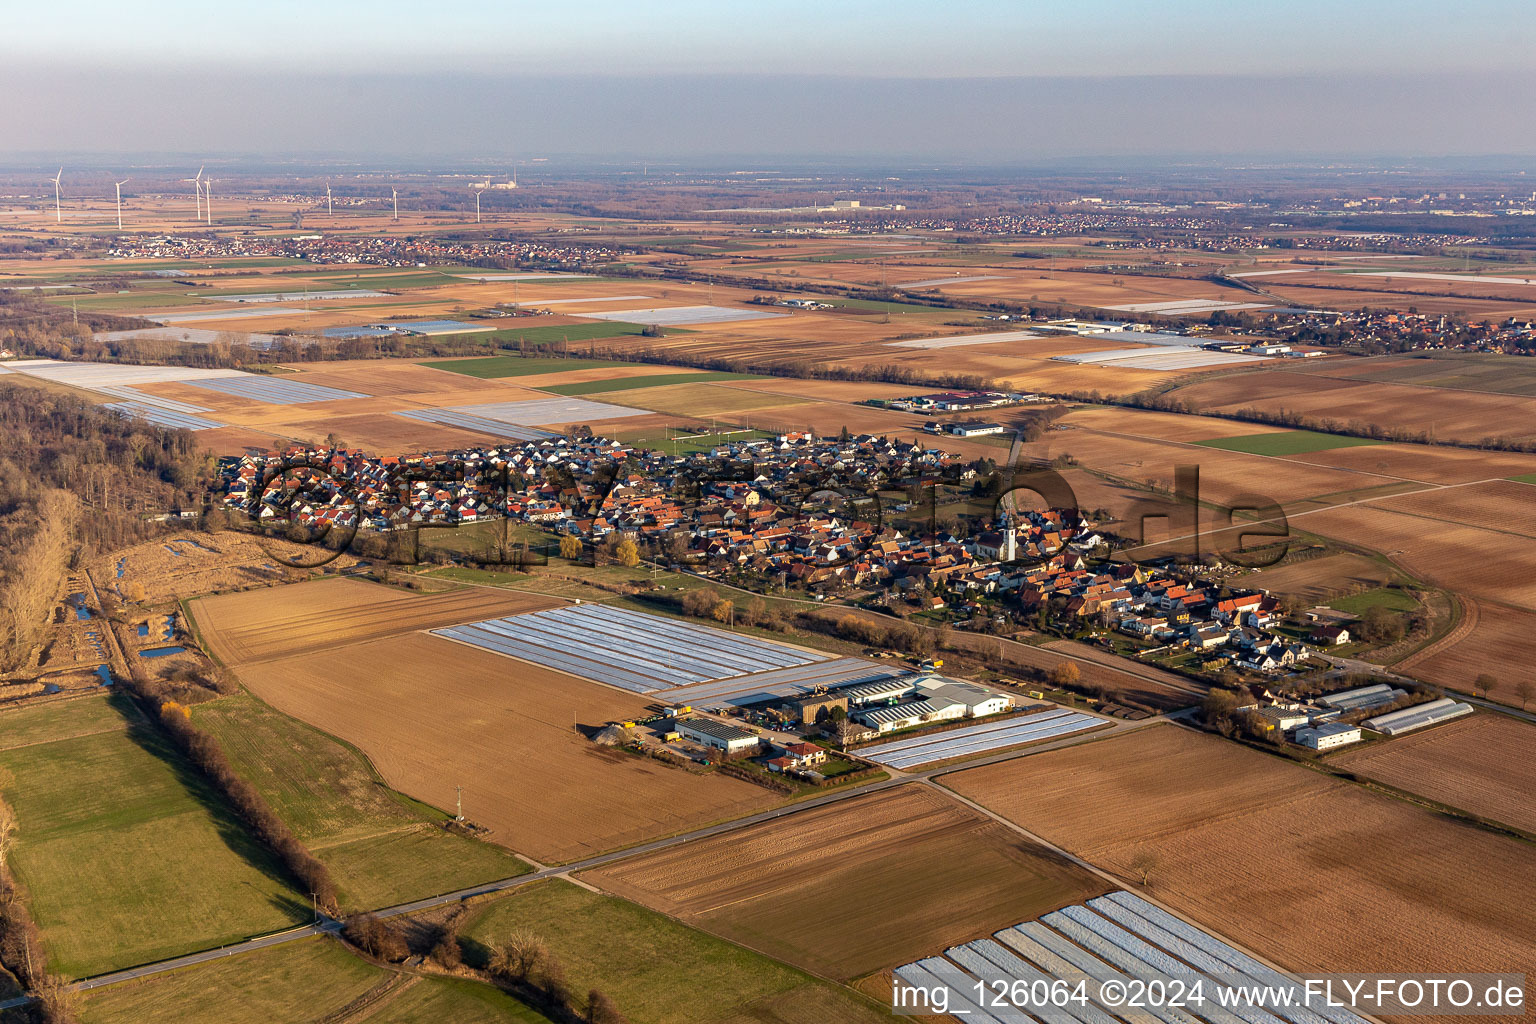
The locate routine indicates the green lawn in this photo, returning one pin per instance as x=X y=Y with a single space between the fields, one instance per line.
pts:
x=1286 y=442
x=655 y=380
x=1381 y=597
x=517 y=366
x=1527 y=478
x=382 y=848
x=128 y=856
x=300 y=981
x=658 y=971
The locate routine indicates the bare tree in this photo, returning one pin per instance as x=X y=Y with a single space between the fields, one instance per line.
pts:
x=1486 y=683
x=1523 y=690
x=1144 y=862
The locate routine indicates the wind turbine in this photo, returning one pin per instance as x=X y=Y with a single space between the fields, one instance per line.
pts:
x=208 y=200
x=394 y=194
x=477 y=204
x=119 y=186
x=58 y=211
x=327 y=199
x=197 y=189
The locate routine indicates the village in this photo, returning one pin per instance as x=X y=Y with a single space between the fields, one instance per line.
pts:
x=848 y=520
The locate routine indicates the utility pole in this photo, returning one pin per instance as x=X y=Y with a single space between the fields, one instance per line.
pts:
x=459 y=791
x=314 y=904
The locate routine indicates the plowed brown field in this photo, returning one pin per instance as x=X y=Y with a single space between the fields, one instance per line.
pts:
x=858 y=886
x=280 y=622
x=1313 y=872
x=1485 y=764
x=432 y=714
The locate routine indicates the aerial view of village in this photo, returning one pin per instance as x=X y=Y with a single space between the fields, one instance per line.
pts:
x=726 y=517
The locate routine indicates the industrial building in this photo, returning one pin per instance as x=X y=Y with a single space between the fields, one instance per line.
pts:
x=892 y=717
x=717 y=735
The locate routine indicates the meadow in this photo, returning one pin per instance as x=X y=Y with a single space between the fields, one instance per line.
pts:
x=657 y=970
x=126 y=854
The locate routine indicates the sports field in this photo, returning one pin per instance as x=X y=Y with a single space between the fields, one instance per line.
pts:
x=657 y=970
x=1286 y=442
x=762 y=886
x=1377 y=890
x=126 y=854
x=381 y=847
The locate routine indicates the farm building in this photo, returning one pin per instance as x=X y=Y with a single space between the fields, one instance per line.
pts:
x=1284 y=719
x=717 y=735
x=978 y=701
x=1328 y=736
x=973 y=429
x=812 y=708
x=1417 y=717
x=882 y=691
x=909 y=714
x=1362 y=697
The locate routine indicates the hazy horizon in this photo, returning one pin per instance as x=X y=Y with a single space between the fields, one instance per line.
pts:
x=973 y=82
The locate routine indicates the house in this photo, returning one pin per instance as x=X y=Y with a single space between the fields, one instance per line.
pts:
x=1329 y=636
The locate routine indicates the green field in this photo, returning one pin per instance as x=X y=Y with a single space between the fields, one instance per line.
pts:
x=300 y=981
x=382 y=848
x=1382 y=597
x=1528 y=478
x=669 y=441
x=127 y=855
x=1285 y=442
x=458 y=1001
x=655 y=380
x=656 y=970
x=132 y=300
x=517 y=366
x=554 y=333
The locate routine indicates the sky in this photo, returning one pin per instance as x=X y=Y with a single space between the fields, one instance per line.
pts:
x=978 y=80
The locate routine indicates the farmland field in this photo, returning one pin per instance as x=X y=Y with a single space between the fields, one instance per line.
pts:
x=659 y=971
x=1318 y=579
x=707 y=399
x=1496 y=636
x=259 y=625
x=1285 y=442
x=647 y=381
x=432 y=714
x=1485 y=764
x=381 y=848
x=126 y=854
x=763 y=886
x=518 y=366
x=299 y=981
x=1377 y=894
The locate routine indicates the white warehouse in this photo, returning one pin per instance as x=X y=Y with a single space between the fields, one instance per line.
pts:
x=1328 y=736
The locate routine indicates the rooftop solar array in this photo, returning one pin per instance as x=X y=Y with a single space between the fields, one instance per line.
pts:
x=628 y=650
x=674 y=316
x=976 y=739
x=162 y=417
x=1111 y=938
x=275 y=390
x=783 y=683
x=478 y=424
